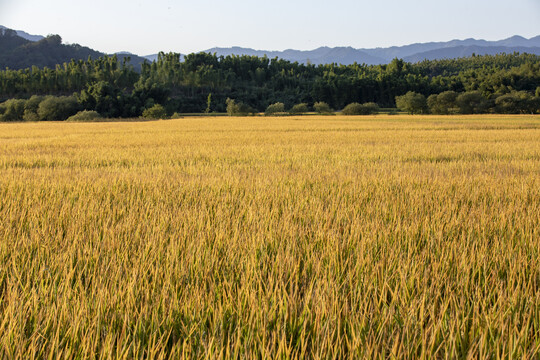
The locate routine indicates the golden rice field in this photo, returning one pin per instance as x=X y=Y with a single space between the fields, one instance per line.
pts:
x=310 y=237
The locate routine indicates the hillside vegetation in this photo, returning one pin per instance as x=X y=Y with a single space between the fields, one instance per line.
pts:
x=17 y=53
x=110 y=86
x=337 y=237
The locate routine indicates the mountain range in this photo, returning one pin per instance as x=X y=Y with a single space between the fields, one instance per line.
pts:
x=411 y=53
x=20 y=50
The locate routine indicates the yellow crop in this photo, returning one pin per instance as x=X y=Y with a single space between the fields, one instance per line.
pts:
x=294 y=237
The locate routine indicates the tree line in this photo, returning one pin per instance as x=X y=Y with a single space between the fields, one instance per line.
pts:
x=506 y=83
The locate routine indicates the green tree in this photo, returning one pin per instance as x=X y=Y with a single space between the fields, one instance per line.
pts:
x=238 y=109
x=113 y=88
x=30 y=115
x=32 y=104
x=104 y=98
x=360 y=109
x=370 y=108
x=155 y=112
x=12 y=110
x=412 y=103
x=208 y=104
x=276 y=108
x=57 y=108
x=322 y=108
x=472 y=102
x=85 y=115
x=517 y=102
x=245 y=109
x=534 y=104
x=352 y=109
x=443 y=103
x=232 y=107
x=298 y=109
x=508 y=104
x=31 y=108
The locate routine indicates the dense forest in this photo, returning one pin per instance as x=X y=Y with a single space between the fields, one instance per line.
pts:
x=508 y=83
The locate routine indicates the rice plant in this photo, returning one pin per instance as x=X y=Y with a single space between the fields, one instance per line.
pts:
x=291 y=237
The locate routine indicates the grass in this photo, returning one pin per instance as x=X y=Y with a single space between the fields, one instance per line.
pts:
x=318 y=237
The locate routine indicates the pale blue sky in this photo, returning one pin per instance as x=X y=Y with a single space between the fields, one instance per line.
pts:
x=148 y=26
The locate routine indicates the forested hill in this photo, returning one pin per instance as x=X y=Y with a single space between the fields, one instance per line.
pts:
x=17 y=52
x=25 y=35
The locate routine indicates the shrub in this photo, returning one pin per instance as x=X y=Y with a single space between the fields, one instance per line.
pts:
x=232 y=107
x=412 y=102
x=360 y=109
x=276 y=108
x=238 y=109
x=32 y=104
x=12 y=110
x=176 y=116
x=371 y=108
x=322 y=108
x=443 y=103
x=31 y=107
x=517 y=102
x=299 y=109
x=30 y=115
x=472 y=102
x=155 y=112
x=534 y=105
x=57 y=108
x=352 y=109
x=508 y=104
x=208 y=104
x=85 y=115
x=245 y=109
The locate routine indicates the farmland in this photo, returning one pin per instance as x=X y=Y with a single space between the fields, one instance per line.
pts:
x=318 y=237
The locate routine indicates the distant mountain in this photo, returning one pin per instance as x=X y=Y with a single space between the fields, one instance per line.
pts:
x=413 y=52
x=25 y=35
x=322 y=55
x=154 y=57
x=466 y=51
x=135 y=60
x=519 y=41
x=21 y=50
x=151 y=58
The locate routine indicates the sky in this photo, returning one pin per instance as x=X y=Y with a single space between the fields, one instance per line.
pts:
x=148 y=26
